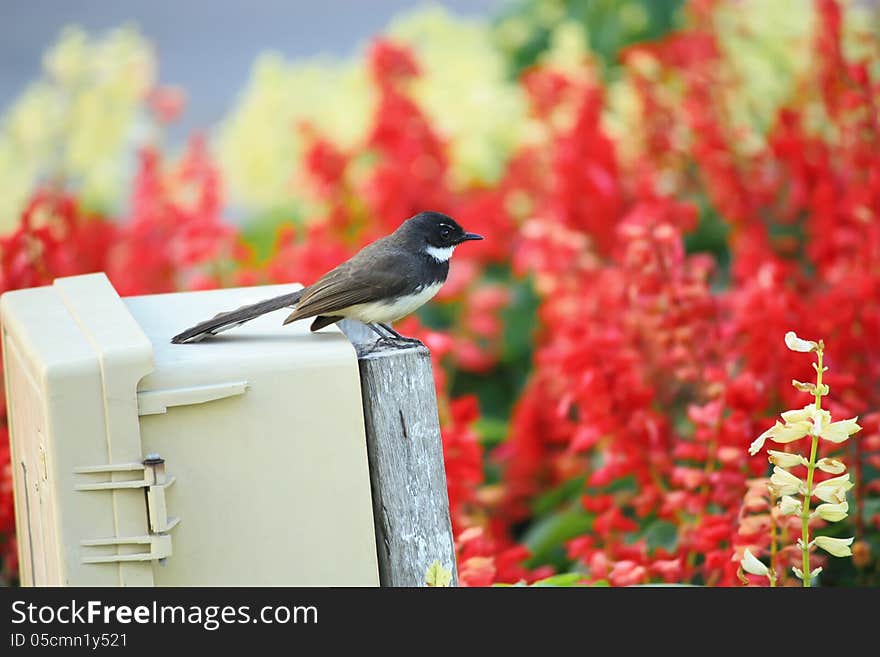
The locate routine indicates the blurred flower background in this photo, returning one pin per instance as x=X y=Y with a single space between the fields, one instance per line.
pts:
x=666 y=187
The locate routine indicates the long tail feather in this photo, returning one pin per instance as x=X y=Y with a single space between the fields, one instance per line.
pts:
x=231 y=319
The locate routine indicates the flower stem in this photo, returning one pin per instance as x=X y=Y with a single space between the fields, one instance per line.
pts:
x=773 y=544
x=811 y=468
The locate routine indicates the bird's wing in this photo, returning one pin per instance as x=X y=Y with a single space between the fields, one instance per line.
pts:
x=371 y=275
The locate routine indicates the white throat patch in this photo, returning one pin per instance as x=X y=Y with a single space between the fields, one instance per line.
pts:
x=440 y=254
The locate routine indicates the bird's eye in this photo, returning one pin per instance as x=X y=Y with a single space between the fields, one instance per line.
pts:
x=445 y=232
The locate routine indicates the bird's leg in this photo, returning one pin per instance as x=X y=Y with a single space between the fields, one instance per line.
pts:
x=375 y=329
x=397 y=335
x=391 y=339
x=384 y=338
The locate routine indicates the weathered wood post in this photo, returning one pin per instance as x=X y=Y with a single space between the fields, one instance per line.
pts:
x=405 y=454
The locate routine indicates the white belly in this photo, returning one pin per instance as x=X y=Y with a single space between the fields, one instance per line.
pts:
x=380 y=311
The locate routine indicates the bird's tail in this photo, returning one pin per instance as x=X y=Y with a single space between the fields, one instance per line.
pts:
x=233 y=318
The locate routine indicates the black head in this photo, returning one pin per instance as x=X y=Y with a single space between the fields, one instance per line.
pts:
x=434 y=229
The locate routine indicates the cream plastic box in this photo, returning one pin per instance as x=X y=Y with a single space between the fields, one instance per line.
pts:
x=235 y=461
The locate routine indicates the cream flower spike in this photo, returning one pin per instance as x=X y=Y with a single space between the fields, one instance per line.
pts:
x=796 y=493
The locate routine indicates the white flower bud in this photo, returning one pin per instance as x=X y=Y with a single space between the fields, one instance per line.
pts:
x=799 y=414
x=821 y=419
x=786 y=483
x=837 y=432
x=804 y=387
x=833 y=490
x=831 y=466
x=838 y=547
x=793 y=342
x=751 y=564
x=785 y=460
x=789 y=505
x=832 y=512
x=781 y=433
x=800 y=544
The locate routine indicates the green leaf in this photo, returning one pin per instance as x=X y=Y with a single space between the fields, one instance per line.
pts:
x=437 y=575
x=564 y=492
x=519 y=319
x=621 y=485
x=546 y=537
x=661 y=534
x=562 y=579
x=491 y=430
x=260 y=231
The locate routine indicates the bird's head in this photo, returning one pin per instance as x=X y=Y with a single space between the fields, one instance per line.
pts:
x=435 y=233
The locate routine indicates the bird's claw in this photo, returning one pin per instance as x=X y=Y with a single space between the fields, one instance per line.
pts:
x=395 y=342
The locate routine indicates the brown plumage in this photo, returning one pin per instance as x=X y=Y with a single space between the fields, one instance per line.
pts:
x=382 y=282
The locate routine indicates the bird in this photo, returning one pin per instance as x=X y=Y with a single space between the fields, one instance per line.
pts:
x=383 y=282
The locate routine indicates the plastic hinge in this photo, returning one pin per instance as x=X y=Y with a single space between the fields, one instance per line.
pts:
x=155 y=481
x=160 y=548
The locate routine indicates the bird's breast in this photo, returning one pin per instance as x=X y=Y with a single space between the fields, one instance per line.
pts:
x=389 y=310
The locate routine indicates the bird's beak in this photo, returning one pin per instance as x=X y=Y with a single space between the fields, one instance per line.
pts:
x=467 y=237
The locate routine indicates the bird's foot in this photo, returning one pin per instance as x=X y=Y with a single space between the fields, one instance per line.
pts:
x=395 y=343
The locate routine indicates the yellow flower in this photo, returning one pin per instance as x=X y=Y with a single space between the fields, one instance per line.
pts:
x=68 y=61
x=833 y=490
x=78 y=121
x=838 y=547
x=464 y=89
x=766 y=45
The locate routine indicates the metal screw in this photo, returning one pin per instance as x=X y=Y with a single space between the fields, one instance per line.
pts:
x=153 y=459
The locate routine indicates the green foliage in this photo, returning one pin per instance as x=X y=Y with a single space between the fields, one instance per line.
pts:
x=562 y=580
x=546 y=537
x=525 y=30
x=662 y=534
x=260 y=231
x=567 y=491
x=710 y=236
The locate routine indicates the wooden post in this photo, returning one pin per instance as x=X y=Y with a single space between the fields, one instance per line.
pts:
x=405 y=453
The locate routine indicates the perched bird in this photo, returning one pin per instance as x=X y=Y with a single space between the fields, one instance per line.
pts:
x=381 y=283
